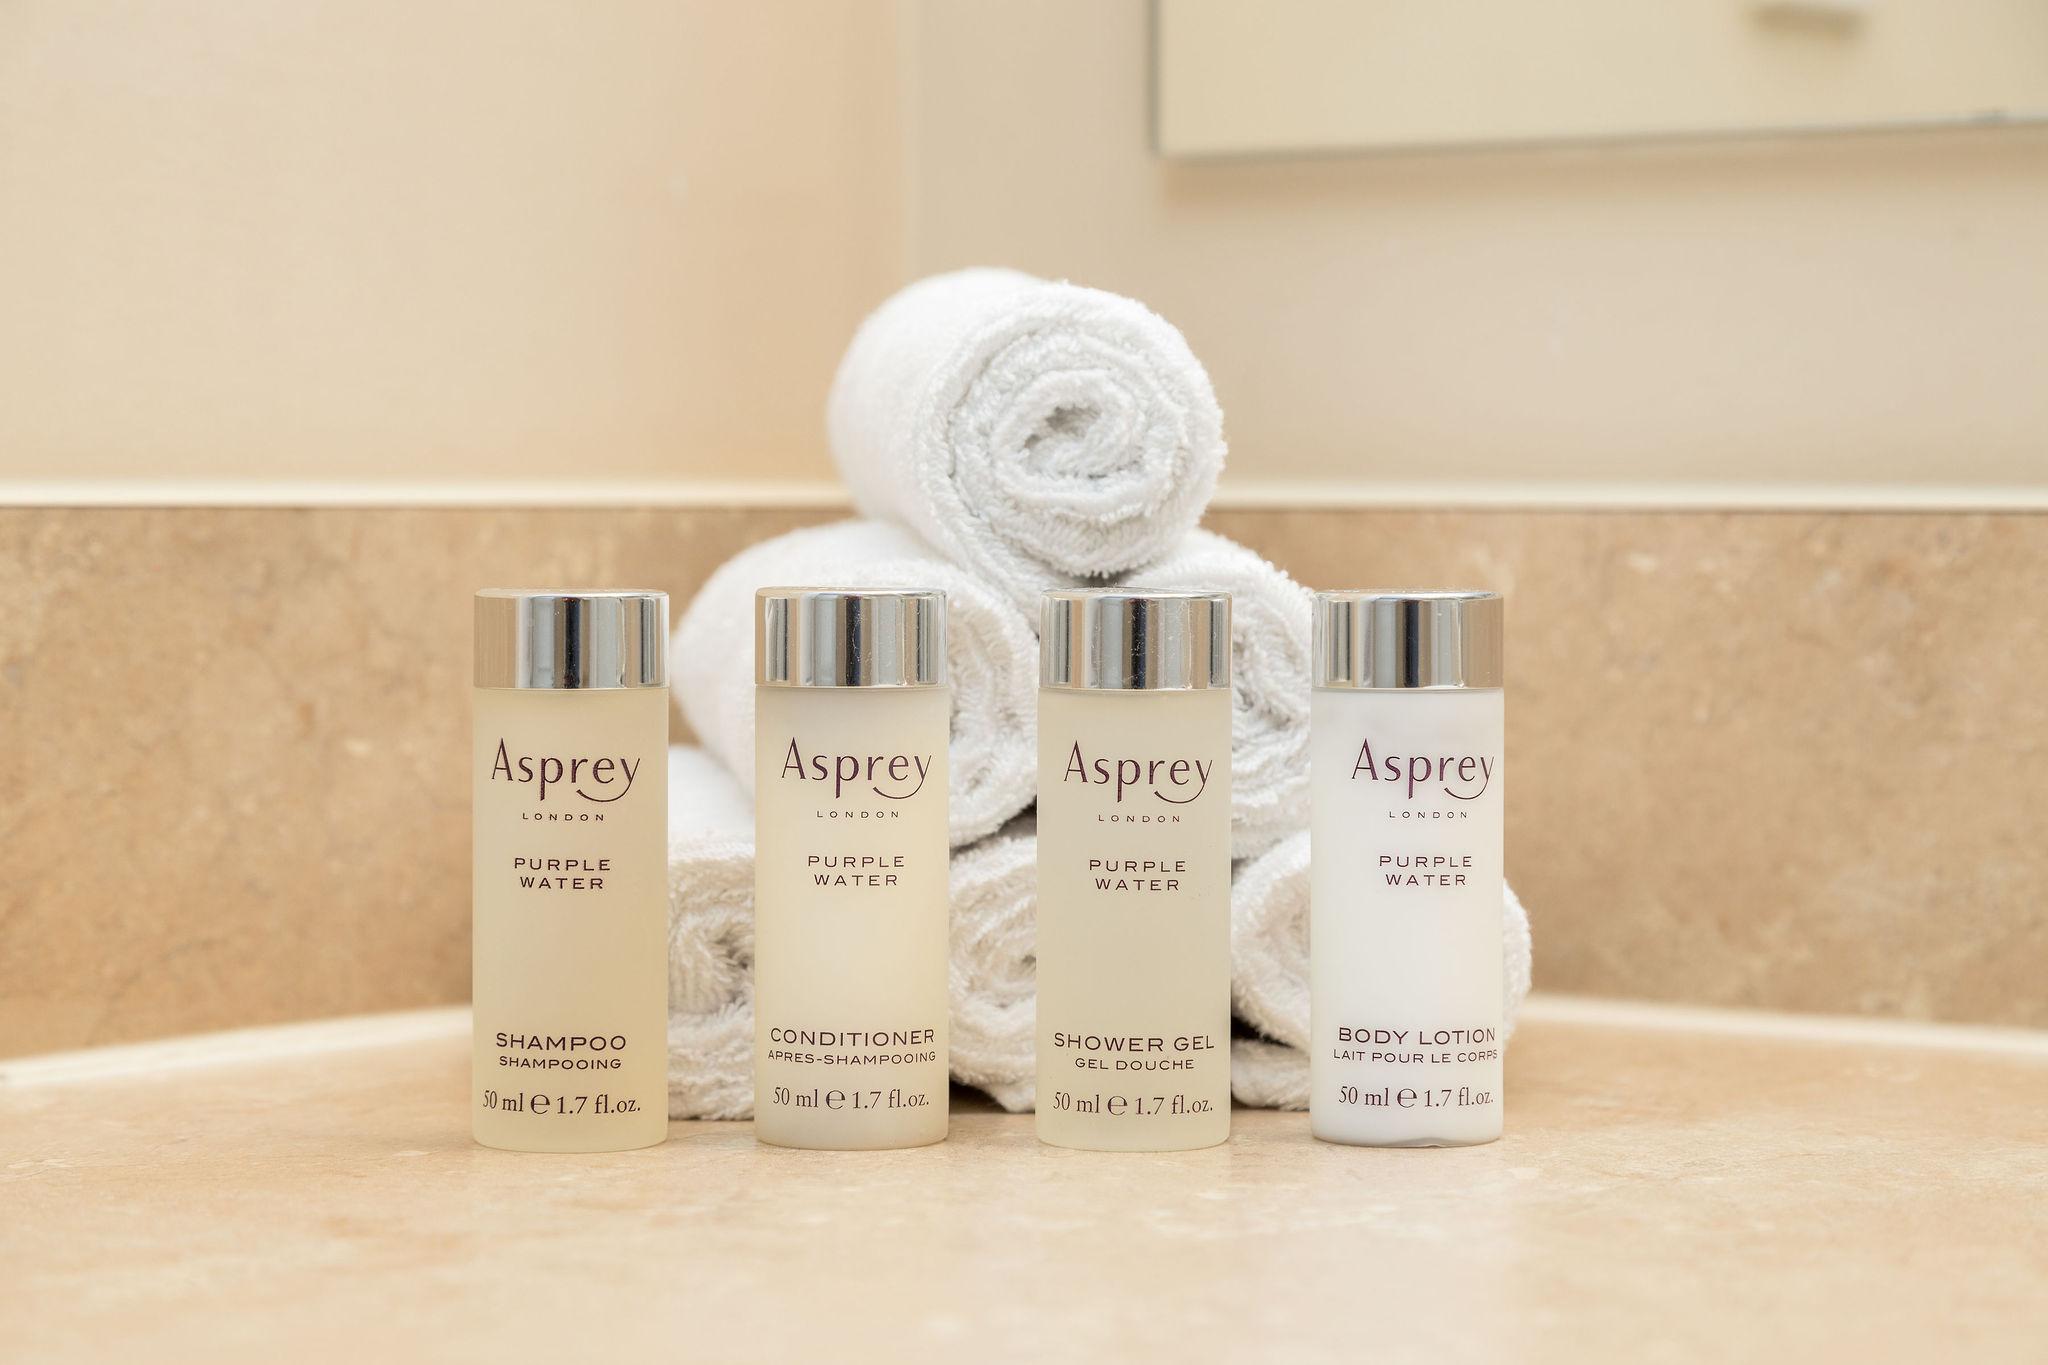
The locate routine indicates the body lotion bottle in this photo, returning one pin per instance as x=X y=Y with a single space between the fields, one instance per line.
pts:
x=570 y=874
x=1405 y=882
x=852 y=717
x=1134 y=870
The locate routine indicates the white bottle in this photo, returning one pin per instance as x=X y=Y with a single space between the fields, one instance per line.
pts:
x=852 y=717
x=1405 y=883
x=570 y=871
x=1134 y=870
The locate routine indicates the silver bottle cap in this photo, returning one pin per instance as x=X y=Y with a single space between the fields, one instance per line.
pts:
x=559 y=641
x=849 y=637
x=1407 y=639
x=1134 y=640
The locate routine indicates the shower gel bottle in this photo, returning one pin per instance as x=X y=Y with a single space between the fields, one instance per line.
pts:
x=570 y=871
x=1405 y=883
x=852 y=717
x=1134 y=870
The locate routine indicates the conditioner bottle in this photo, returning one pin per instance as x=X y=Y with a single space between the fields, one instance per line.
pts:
x=852 y=717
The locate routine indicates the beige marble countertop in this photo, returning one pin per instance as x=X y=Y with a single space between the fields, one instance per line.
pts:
x=1664 y=1192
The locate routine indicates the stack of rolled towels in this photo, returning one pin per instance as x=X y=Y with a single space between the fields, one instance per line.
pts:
x=1001 y=435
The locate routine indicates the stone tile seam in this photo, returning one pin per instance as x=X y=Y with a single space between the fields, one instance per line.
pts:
x=1785 y=1026
x=1244 y=496
x=359 y=1032
x=234 y=1047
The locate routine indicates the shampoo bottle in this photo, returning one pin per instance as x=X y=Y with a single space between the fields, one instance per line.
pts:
x=1134 y=870
x=852 y=717
x=1405 y=883
x=570 y=871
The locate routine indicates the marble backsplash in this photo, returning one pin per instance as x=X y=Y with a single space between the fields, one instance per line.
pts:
x=1759 y=758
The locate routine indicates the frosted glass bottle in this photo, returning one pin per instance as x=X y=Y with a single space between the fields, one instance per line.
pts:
x=1134 y=870
x=570 y=871
x=852 y=718
x=1406 y=958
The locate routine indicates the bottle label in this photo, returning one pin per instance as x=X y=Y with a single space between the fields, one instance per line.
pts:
x=570 y=916
x=1406 y=912
x=851 y=916
x=1134 y=919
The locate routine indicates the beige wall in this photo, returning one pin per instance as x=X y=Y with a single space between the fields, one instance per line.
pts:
x=1844 y=308
x=447 y=239
x=440 y=238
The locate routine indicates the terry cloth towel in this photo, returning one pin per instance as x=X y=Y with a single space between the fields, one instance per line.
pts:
x=1039 y=434
x=992 y=981
x=1269 y=975
x=993 y=977
x=710 y=941
x=704 y=798
x=991 y=659
x=1269 y=682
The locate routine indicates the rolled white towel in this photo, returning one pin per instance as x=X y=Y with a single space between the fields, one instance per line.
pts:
x=1269 y=974
x=1038 y=433
x=710 y=941
x=993 y=978
x=1267 y=1075
x=711 y=978
x=991 y=659
x=1269 y=682
x=1269 y=942
x=704 y=798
